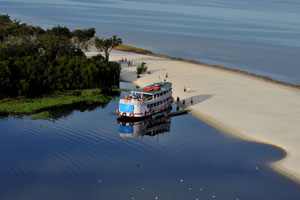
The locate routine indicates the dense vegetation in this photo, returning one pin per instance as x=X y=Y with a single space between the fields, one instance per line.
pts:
x=57 y=100
x=34 y=61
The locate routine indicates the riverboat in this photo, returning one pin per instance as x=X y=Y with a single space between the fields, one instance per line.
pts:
x=146 y=101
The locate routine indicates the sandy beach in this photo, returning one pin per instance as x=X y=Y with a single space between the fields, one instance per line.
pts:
x=240 y=105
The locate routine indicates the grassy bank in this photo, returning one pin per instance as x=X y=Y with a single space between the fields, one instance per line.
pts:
x=35 y=105
x=123 y=47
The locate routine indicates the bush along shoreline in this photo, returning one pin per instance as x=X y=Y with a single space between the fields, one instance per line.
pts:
x=41 y=107
x=43 y=68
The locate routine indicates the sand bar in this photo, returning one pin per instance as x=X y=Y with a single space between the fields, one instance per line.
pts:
x=243 y=106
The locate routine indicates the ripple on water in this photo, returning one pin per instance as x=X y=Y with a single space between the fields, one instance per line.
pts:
x=66 y=158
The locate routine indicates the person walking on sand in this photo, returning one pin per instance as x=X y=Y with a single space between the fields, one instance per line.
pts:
x=184 y=89
x=166 y=75
x=192 y=101
x=188 y=90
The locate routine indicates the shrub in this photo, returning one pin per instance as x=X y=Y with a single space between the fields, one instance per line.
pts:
x=141 y=68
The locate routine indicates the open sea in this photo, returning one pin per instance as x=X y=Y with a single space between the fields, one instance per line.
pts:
x=85 y=153
x=258 y=36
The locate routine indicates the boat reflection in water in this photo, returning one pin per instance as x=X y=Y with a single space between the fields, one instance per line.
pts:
x=146 y=127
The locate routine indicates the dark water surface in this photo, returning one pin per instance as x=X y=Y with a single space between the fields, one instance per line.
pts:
x=84 y=156
x=259 y=36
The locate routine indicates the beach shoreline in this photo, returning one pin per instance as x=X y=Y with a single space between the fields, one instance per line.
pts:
x=148 y=52
x=240 y=105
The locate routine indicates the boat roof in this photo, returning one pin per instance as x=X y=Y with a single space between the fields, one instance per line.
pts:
x=163 y=86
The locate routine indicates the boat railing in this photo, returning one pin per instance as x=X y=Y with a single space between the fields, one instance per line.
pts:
x=136 y=100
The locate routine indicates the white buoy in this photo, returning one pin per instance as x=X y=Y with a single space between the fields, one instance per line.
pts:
x=181 y=180
x=213 y=196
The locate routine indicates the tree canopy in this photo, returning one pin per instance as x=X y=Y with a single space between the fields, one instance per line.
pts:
x=10 y=27
x=107 y=45
x=34 y=62
x=60 y=31
x=82 y=36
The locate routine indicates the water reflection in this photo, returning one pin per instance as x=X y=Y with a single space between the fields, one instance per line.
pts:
x=146 y=127
x=82 y=156
x=67 y=110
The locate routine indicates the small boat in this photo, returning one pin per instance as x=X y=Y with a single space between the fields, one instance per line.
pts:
x=146 y=101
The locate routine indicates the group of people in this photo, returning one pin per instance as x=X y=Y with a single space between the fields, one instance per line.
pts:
x=128 y=62
x=186 y=89
x=183 y=101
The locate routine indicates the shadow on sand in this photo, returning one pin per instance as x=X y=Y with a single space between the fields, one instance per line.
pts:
x=194 y=100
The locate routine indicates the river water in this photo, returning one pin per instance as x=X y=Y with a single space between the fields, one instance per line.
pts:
x=87 y=154
x=258 y=36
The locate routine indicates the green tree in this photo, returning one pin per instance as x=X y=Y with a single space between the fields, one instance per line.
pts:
x=82 y=36
x=10 y=27
x=60 y=31
x=107 y=45
x=57 y=46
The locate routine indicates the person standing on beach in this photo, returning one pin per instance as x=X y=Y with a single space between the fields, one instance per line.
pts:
x=188 y=90
x=166 y=75
x=184 y=88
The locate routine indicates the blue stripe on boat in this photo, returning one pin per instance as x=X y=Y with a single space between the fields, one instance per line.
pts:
x=126 y=108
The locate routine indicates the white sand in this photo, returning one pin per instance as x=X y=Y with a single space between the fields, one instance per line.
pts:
x=240 y=105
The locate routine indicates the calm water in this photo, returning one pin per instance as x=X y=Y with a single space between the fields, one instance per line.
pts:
x=259 y=36
x=88 y=155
